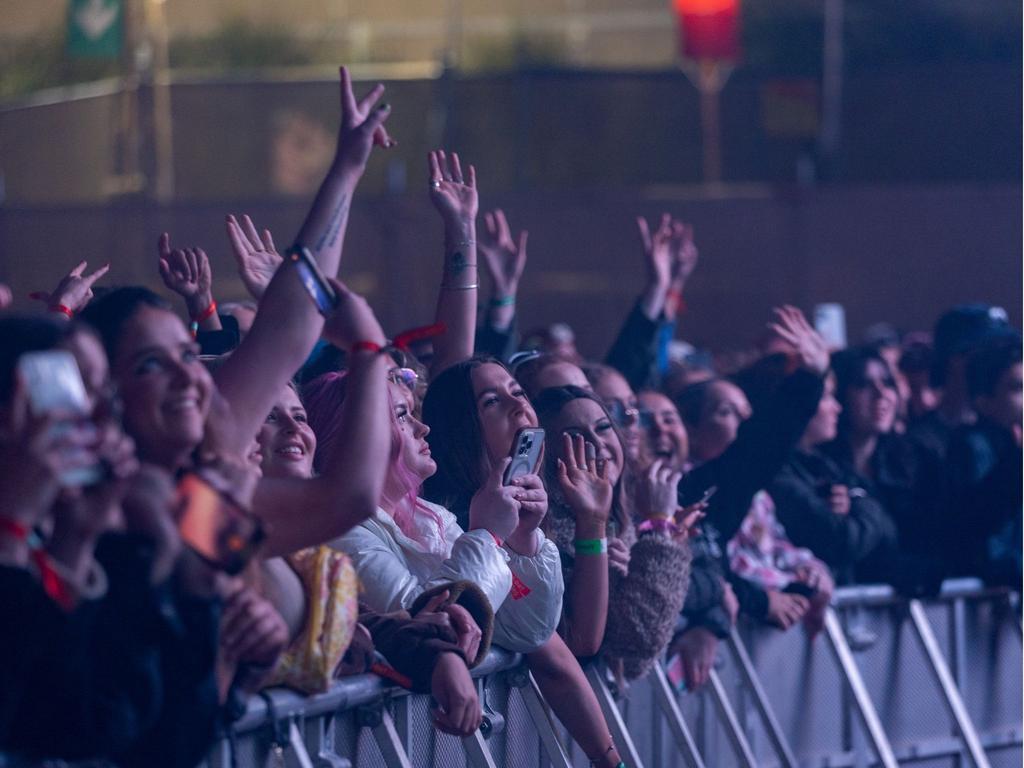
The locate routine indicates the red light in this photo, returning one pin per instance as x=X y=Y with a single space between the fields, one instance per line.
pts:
x=708 y=29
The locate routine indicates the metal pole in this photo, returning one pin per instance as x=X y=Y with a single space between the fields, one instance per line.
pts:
x=681 y=735
x=855 y=683
x=620 y=734
x=753 y=683
x=477 y=753
x=930 y=645
x=832 y=79
x=709 y=84
x=541 y=718
x=731 y=722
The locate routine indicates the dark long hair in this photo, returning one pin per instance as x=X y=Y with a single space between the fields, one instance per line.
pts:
x=548 y=404
x=456 y=438
x=108 y=314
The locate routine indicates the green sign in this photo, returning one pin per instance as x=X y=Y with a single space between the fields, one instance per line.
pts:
x=94 y=28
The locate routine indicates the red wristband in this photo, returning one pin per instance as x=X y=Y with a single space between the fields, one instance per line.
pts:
x=63 y=310
x=366 y=346
x=207 y=313
x=497 y=541
x=14 y=529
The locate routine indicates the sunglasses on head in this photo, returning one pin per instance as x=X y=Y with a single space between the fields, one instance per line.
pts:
x=406 y=376
x=622 y=414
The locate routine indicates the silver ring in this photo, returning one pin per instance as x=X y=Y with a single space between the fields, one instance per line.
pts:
x=435 y=185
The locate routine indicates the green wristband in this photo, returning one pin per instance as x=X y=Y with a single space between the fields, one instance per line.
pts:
x=504 y=301
x=591 y=546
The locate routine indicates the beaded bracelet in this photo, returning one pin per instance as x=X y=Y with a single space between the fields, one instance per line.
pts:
x=591 y=546
x=471 y=287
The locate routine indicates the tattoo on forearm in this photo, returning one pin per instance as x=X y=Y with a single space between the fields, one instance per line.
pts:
x=458 y=263
x=330 y=235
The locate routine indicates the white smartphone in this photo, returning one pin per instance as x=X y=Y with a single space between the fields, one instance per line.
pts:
x=54 y=383
x=830 y=323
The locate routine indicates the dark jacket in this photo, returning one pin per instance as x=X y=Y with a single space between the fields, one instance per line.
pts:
x=634 y=353
x=128 y=676
x=410 y=645
x=984 y=469
x=910 y=486
x=751 y=463
x=855 y=545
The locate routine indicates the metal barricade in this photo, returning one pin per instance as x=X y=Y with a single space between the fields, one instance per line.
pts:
x=889 y=682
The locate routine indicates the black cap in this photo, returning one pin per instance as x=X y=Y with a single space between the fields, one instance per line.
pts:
x=964 y=328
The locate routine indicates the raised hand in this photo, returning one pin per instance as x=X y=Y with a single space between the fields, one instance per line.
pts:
x=187 y=272
x=494 y=507
x=657 y=246
x=35 y=451
x=255 y=254
x=73 y=291
x=684 y=251
x=362 y=126
x=453 y=195
x=583 y=481
x=504 y=257
x=659 y=491
x=790 y=325
x=352 y=319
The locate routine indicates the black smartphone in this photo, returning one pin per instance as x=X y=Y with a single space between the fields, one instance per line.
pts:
x=215 y=527
x=313 y=280
x=527 y=448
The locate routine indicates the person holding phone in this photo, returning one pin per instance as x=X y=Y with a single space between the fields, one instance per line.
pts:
x=112 y=632
x=475 y=409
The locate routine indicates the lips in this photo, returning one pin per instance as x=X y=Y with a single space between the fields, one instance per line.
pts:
x=182 y=404
x=291 y=452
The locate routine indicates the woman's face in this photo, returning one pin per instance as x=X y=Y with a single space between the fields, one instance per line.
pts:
x=725 y=408
x=413 y=449
x=871 y=401
x=287 y=443
x=585 y=417
x=621 y=401
x=665 y=436
x=502 y=408
x=165 y=388
x=822 y=426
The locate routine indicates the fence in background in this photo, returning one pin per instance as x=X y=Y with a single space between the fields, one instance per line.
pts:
x=890 y=682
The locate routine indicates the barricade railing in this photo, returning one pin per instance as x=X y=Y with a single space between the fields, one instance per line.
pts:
x=890 y=681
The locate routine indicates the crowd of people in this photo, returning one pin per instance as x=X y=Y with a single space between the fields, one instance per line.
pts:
x=278 y=494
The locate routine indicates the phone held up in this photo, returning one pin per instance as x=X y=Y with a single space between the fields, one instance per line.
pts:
x=313 y=280
x=215 y=527
x=54 y=383
x=527 y=449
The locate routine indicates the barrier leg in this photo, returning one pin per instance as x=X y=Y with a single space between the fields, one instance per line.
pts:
x=477 y=753
x=681 y=735
x=732 y=724
x=855 y=683
x=930 y=645
x=541 y=717
x=753 y=683
x=379 y=721
x=623 y=741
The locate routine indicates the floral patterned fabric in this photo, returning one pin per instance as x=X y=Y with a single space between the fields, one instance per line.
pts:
x=761 y=551
x=332 y=611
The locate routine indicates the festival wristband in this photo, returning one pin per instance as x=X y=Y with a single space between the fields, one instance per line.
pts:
x=366 y=346
x=62 y=309
x=504 y=301
x=658 y=525
x=207 y=313
x=591 y=546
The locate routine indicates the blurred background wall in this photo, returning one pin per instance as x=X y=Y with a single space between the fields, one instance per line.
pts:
x=903 y=199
